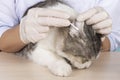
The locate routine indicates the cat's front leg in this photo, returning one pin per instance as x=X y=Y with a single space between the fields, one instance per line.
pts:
x=76 y=61
x=79 y=62
x=60 y=68
x=80 y=65
x=56 y=64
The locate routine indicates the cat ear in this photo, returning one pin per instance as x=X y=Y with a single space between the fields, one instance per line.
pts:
x=77 y=29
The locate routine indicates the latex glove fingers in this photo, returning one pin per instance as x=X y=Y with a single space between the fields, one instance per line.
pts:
x=104 y=27
x=104 y=31
x=55 y=18
x=93 y=15
x=103 y=24
x=29 y=29
x=86 y=15
x=97 y=18
x=52 y=21
x=90 y=13
x=43 y=12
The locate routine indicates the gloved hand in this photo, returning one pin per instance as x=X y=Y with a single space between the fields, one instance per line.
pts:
x=35 y=25
x=98 y=18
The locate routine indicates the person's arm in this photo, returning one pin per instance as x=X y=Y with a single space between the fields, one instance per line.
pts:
x=106 y=44
x=10 y=40
x=32 y=28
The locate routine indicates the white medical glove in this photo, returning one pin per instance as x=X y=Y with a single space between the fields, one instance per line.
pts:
x=35 y=25
x=98 y=18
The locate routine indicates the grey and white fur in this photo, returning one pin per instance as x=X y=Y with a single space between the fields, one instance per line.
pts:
x=64 y=48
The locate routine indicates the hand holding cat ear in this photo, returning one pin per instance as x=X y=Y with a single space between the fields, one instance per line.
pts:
x=35 y=25
x=98 y=18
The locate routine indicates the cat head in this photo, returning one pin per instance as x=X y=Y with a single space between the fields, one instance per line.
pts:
x=82 y=41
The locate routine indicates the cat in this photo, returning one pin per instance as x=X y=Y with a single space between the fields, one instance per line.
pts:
x=64 y=48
